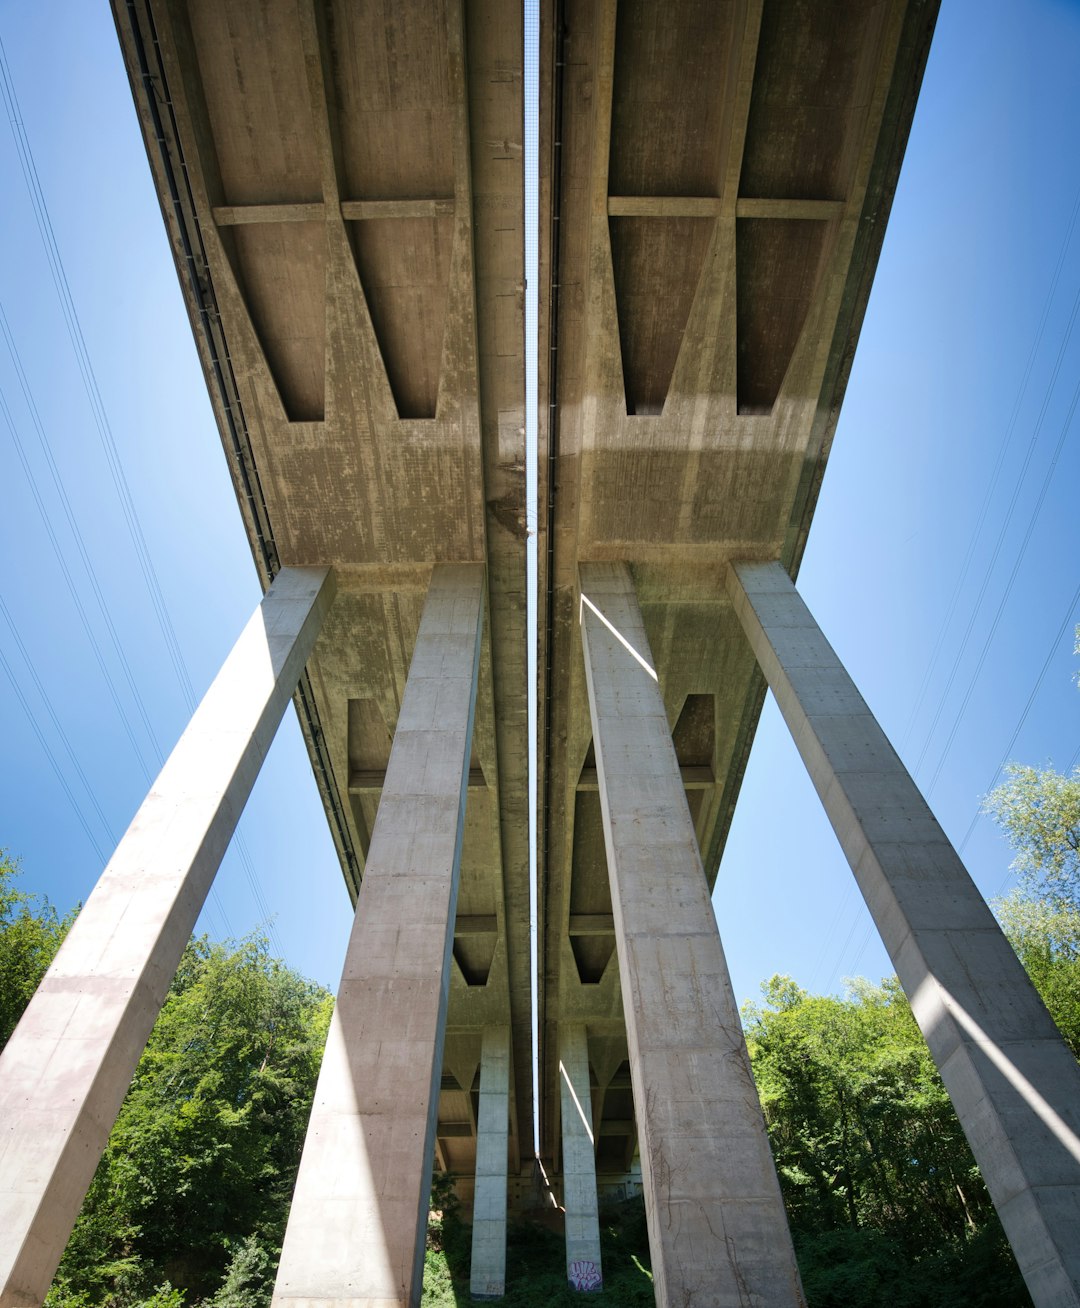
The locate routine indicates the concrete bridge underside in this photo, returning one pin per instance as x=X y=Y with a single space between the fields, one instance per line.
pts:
x=342 y=185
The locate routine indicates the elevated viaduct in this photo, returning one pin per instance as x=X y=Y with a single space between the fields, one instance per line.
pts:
x=342 y=186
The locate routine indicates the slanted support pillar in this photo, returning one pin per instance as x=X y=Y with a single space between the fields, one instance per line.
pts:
x=488 y=1274
x=67 y=1067
x=717 y=1229
x=1013 y=1082
x=359 y=1213
x=583 y=1267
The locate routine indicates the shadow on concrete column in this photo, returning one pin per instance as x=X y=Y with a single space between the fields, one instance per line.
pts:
x=718 y=1233
x=487 y=1278
x=67 y=1067
x=583 y=1267
x=359 y=1213
x=1012 y=1079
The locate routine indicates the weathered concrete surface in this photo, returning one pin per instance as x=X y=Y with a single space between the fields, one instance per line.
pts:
x=584 y=1270
x=67 y=1067
x=487 y=1278
x=721 y=175
x=356 y=1227
x=1013 y=1081
x=355 y=285
x=717 y=1229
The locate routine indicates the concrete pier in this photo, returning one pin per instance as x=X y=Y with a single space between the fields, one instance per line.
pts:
x=1013 y=1082
x=487 y=1279
x=584 y=1270
x=356 y=1227
x=67 y=1067
x=717 y=1229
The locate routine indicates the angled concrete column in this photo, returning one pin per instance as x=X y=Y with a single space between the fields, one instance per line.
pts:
x=717 y=1229
x=359 y=1213
x=67 y=1067
x=583 y=1268
x=488 y=1275
x=1015 y=1085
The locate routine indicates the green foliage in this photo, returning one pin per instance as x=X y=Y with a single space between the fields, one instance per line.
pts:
x=31 y=932
x=1046 y=937
x=882 y=1192
x=1039 y=812
x=195 y=1182
x=536 y=1266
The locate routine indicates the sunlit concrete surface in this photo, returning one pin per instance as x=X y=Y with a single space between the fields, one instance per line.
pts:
x=487 y=1273
x=68 y=1064
x=718 y=1234
x=584 y=1269
x=358 y=1219
x=1013 y=1081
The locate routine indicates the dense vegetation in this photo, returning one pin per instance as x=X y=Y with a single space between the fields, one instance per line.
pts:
x=886 y=1204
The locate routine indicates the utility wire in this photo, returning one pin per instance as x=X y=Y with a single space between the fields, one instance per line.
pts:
x=72 y=589
x=999 y=463
x=93 y=392
x=1040 y=501
x=1004 y=528
x=80 y=543
x=76 y=806
x=113 y=459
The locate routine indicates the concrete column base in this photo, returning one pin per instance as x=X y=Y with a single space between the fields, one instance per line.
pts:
x=583 y=1266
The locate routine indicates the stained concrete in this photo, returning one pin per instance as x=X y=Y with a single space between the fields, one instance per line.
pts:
x=1013 y=1081
x=487 y=1278
x=717 y=1230
x=67 y=1067
x=584 y=1270
x=358 y=1218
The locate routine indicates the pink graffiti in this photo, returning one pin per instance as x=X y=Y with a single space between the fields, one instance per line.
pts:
x=584 y=1275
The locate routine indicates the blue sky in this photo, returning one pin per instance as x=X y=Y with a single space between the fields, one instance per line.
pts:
x=984 y=205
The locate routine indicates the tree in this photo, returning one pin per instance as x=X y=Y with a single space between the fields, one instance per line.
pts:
x=883 y=1195
x=1046 y=937
x=31 y=932
x=1039 y=812
x=194 y=1186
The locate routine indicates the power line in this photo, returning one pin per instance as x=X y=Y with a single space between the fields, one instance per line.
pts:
x=80 y=543
x=113 y=459
x=1040 y=501
x=999 y=463
x=1001 y=533
x=86 y=369
x=72 y=590
x=76 y=806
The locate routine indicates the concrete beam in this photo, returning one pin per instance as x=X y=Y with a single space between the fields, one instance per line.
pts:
x=358 y=1218
x=1013 y=1082
x=487 y=1278
x=67 y=1067
x=717 y=1229
x=583 y=1267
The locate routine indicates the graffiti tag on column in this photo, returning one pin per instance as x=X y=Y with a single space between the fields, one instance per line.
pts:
x=584 y=1274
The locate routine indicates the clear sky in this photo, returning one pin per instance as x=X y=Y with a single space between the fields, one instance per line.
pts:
x=934 y=489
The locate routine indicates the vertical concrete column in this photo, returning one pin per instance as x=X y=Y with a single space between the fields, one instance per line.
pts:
x=717 y=1229
x=488 y=1275
x=1013 y=1082
x=583 y=1269
x=67 y=1067
x=359 y=1213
